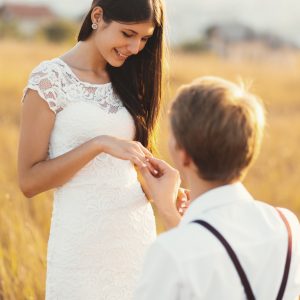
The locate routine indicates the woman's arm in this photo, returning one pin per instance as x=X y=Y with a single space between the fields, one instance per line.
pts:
x=37 y=173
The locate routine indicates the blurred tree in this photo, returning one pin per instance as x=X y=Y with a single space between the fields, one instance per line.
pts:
x=194 y=45
x=9 y=29
x=59 y=31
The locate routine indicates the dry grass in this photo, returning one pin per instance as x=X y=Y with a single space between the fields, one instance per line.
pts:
x=24 y=224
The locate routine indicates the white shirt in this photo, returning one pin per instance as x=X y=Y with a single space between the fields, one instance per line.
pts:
x=188 y=262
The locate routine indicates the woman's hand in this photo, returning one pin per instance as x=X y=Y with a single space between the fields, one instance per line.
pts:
x=126 y=150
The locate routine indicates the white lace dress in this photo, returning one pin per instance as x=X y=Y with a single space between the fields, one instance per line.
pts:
x=101 y=222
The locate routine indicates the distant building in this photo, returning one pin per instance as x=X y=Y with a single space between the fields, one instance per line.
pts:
x=238 y=40
x=28 y=18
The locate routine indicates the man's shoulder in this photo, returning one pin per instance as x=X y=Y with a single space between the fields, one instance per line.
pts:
x=183 y=241
x=290 y=216
x=270 y=220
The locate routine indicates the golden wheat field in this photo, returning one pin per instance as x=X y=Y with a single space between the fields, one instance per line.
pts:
x=24 y=223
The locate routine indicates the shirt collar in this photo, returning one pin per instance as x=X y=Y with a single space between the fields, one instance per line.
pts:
x=215 y=198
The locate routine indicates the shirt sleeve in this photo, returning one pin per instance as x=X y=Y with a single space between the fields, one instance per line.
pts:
x=45 y=79
x=160 y=279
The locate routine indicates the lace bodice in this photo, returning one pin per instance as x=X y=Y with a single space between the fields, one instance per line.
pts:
x=59 y=86
x=101 y=222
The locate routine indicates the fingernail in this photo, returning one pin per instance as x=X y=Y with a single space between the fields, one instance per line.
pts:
x=155 y=172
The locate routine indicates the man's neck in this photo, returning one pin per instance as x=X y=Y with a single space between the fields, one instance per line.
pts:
x=199 y=186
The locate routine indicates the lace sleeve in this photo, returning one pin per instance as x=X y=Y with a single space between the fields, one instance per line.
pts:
x=45 y=79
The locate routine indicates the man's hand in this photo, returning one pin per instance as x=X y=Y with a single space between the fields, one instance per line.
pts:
x=183 y=200
x=162 y=190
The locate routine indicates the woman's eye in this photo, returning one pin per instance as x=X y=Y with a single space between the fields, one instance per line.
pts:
x=126 y=34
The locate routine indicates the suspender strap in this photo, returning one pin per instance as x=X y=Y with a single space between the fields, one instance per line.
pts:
x=231 y=253
x=288 y=257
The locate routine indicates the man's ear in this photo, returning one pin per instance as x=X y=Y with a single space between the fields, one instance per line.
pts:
x=185 y=159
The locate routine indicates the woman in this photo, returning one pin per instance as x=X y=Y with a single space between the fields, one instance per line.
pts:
x=87 y=119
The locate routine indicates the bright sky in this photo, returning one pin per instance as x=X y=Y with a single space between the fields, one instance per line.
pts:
x=187 y=17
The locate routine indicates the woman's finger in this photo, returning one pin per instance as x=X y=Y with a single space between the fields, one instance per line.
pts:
x=137 y=160
x=158 y=164
x=145 y=150
x=142 y=160
x=135 y=148
x=146 y=173
x=147 y=154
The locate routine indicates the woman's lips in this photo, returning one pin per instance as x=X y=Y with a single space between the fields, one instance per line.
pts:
x=121 y=55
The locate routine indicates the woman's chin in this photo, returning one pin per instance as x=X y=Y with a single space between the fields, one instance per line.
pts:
x=117 y=64
x=116 y=61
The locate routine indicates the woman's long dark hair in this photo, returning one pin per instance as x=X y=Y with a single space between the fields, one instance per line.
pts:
x=138 y=82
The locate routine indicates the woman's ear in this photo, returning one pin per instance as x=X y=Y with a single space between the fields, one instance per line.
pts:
x=97 y=15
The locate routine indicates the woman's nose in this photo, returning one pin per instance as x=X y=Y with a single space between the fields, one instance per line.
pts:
x=134 y=46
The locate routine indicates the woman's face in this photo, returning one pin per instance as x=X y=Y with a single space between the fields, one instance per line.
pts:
x=117 y=41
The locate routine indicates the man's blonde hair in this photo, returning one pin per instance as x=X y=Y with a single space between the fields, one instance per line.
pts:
x=220 y=125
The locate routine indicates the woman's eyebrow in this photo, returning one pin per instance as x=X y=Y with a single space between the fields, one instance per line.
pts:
x=149 y=35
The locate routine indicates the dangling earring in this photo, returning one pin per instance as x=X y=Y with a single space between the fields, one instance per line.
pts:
x=95 y=26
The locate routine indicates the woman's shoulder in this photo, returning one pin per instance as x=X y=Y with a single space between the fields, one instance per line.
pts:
x=47 y=79
x=48 y=73
x=47 y=67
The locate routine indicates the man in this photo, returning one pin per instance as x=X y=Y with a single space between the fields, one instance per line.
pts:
x=238 y=248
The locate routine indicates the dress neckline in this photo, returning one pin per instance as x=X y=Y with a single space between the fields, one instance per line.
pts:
x=107 y=84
